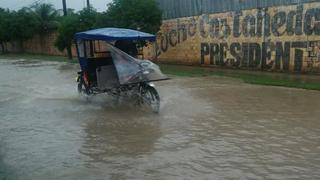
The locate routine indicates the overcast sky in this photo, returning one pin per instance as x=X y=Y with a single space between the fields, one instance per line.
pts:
x=100 y=5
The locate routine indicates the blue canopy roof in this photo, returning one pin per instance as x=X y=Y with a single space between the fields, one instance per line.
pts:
x=114 y=34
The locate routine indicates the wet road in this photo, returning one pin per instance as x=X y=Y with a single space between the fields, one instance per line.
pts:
x=208 y=128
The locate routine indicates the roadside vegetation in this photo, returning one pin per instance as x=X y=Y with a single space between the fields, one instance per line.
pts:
x=311 y=82
x=42 y=18
x=35 y=57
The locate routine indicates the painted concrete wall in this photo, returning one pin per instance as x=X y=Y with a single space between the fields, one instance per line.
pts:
x=38 y=45
x=278 y=38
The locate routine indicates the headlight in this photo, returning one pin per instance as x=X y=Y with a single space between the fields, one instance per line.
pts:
x=146 y=72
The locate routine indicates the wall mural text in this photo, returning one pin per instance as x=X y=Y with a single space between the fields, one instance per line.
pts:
x=268 y=38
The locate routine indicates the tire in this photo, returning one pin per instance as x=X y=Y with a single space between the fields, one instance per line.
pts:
x=117 y=98
x=82 y=88
x=151 y=98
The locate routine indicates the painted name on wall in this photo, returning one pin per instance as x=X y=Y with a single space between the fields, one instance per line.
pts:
x=268 y=38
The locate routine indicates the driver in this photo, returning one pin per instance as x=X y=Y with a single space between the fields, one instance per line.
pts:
x=128 y=47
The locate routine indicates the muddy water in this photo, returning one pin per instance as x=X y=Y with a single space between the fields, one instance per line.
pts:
x=208 y=128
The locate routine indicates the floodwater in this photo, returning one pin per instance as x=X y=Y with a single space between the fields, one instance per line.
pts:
x=208 y=128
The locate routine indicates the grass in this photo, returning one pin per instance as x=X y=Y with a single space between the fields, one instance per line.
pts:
x=311 y=82
x=28 y=56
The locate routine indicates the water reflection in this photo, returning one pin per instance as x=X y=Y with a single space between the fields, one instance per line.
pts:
x=114 y=133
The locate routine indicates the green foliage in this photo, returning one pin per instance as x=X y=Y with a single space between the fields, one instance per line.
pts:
x=4 y=24
x=134 y=14
x=23 y=25
x=251 y=77
x=87 y=19
x=40 y=19
x=68 y=27
x=46 y=16
x=71 y=24
x=4 y=29
x=102 y=20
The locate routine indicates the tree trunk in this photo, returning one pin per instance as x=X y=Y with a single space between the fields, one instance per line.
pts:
x=69 y=52
x=20 y=46
x=6 y=47
x=42 y=44
x=2 y=48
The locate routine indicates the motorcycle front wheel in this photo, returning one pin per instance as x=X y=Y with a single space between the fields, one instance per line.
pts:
x=151 y=98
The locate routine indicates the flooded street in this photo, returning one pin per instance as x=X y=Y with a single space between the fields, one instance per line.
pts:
x=208 y=128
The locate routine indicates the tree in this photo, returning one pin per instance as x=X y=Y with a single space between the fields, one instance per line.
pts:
x=23 y=25
x=87 y=18
x=4 y=31
x=103 y=20
x=134 y=14
x=71 y=24
x=66 y=31
x=46 y=16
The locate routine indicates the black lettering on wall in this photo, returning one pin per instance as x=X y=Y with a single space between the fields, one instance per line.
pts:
x=290 y=23
x=236 y=24
x=282 y=55
x=182 y=32
x=214 y=53
x=245 y=52
x=254 y=54
x=316 y=28
x=308 y=29
x=204 y=52
x=226 y=28
x=164 y=42
x=214 y=28
x=278 y=21
x=298 y=27
x=297 y=22
x=248 y=26
x=202 y=23
x=192 y=28
x=298 y=54
x=235 y=50
x=267 y=24
x=173 y=38
x=311 y=27
x=294 y=22
x=267 y=48
x=260 y=19
x=223 y=53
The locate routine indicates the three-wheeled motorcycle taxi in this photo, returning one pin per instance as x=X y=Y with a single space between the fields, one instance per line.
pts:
x=109 y=63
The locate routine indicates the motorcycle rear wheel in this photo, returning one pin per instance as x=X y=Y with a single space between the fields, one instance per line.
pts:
x=83 y=89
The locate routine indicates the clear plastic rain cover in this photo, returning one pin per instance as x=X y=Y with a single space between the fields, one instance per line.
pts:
x=131 y=70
